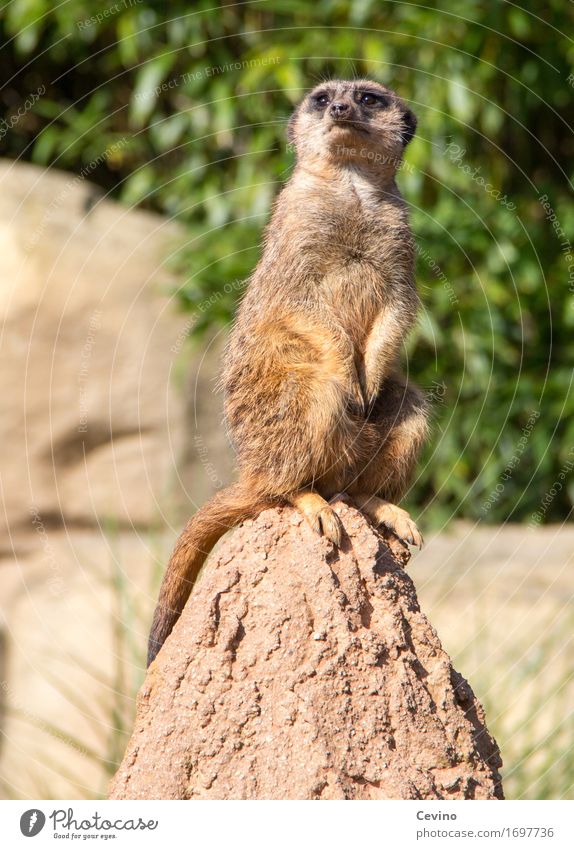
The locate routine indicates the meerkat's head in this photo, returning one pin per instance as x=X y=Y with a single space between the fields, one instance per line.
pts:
x=357 y=121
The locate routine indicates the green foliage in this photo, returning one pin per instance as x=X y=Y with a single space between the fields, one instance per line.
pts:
x=200 y=102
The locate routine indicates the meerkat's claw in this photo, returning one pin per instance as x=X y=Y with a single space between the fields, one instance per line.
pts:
x=357 y=400
x=413 y=536
x=330 y=525
x=397 y=520
x=400 y=523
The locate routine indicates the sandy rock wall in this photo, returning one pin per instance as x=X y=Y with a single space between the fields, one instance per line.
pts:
x=97 y=462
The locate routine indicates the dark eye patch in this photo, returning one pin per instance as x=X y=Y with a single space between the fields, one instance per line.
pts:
x=367 y=97
x=320 y=99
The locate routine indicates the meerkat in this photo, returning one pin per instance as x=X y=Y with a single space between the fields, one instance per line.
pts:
x=315 y=401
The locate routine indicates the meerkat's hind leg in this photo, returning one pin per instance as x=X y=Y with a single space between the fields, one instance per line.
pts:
x=392 y=517
x=319 y=514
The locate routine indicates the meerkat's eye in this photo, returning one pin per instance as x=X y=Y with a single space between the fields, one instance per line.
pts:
x=321 y=99
x=368 y=99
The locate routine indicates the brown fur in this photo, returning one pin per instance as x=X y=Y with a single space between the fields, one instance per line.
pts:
x=315 y=403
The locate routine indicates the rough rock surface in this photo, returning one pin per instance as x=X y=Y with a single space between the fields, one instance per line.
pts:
x=299 y=673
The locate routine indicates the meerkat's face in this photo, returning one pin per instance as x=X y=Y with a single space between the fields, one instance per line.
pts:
x=352 y=120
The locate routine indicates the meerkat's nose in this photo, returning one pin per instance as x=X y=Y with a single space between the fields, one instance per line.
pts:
x=339 y=109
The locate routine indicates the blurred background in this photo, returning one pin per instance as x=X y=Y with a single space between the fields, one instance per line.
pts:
x=142 y=145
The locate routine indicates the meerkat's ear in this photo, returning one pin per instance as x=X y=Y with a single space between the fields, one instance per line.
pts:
x=409 y=126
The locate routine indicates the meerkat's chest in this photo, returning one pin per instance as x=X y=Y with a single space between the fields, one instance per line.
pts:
x=360 y=245
x=368 y=195
x=369 y=247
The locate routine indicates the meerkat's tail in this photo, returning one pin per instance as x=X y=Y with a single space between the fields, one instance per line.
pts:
x=225 y=510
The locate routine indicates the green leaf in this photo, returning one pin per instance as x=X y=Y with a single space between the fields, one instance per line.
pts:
x=148 y=88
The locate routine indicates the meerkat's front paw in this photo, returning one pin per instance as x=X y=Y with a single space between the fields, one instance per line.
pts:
x=392 y=517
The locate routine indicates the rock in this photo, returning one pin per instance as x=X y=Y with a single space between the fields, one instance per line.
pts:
x=93 y=433
x=296 y=672
x=94 y=428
